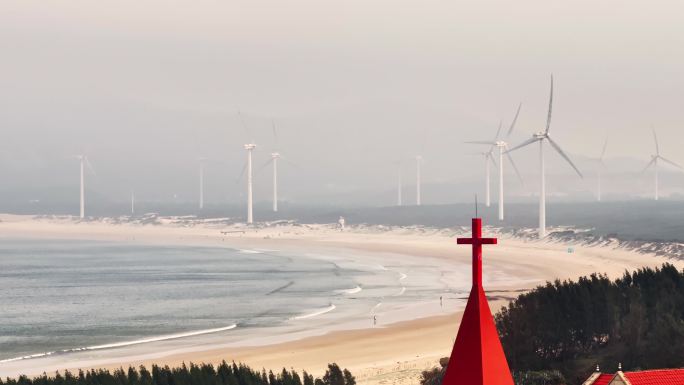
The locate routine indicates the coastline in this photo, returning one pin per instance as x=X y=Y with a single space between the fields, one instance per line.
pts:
x=397 y=350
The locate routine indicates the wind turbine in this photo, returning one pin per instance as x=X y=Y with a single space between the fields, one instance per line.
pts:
x=502 y=145
x=540 y=137
x=600 y=167
x=276 y=157
x=132 y=202
x=249 y=147
x=202 y=164
x=654 y=163
x=84 y=163
x=488 y=157
x=399 y=183
x=419 y=160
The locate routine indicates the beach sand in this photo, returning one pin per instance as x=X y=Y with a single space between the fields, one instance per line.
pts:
x=391 y=354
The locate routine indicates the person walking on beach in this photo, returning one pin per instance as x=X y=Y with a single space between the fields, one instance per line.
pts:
x=340 y=223
x=375 y=320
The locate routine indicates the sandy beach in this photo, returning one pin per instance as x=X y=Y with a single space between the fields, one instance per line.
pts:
x=394 y=352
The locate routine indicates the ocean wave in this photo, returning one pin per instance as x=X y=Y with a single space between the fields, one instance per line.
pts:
x=402 y=291
x=247 y=251
x=122 y=344
x=375 y=307
x=402 y=276
x=316 y=313
x=353 y=290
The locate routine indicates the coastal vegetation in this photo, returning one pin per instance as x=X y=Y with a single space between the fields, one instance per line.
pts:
x=202 y=374
x=559 y=332
x=572 y=326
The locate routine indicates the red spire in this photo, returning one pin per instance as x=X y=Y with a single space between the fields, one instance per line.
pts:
x=477 y=357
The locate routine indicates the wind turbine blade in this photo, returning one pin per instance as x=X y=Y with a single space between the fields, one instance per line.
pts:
x=515 y=168
x=498 y=131
x=242 y=173
x=515 y=119
x=489 y=155
x=653 y=160
x=560 y=151
x=244 y=125
x=670 y=162
x=655 y=137
x=481 y=142
x=242 y=120
x=548 y=118
x=263 y=166
x=288 y=161
x=275 y=134
x=523 y=144
x=603 y=152
x=90 y=166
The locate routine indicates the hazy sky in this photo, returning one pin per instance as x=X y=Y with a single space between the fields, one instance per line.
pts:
x=145 y=87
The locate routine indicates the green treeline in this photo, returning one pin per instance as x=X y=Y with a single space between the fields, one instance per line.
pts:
x=204 y=374
x=570 y=327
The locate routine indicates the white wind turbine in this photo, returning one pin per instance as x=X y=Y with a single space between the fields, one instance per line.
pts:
x=250 y=217
x=84 y=162
x=540 y=137
x=399 y=183
x=488 y=157
x=502 y=145
x=202 y=164
x=275 y=157
x=654 y=163
x=249 y=147
x=132 y=202
x=599 y=169
x=419 y=160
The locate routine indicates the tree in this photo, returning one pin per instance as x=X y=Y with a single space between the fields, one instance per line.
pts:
x=333 y=376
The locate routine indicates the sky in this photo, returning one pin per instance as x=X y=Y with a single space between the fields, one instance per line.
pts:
x=145 y=88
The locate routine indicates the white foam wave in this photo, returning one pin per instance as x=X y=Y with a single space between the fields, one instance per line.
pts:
x=125 y=343
x=353 y=290
x=247 y=251
x=402 y=291
x=316 y=313
x=402 y=276
x=376 y=306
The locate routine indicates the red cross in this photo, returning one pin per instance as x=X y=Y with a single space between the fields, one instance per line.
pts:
x=477 y=241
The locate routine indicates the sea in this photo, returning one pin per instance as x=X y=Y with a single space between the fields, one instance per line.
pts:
x=62 y=297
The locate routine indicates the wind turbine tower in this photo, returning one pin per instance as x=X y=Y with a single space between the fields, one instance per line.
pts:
x=487 y=158
x=540 y=137
x=274 y=159
x=84 y=162
x=202 y=164
x=249 y=147
x=82 y=158
x=419 y=160
x=399 y=203
x=132 y=202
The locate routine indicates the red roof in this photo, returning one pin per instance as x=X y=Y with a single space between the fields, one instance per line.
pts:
x=603 y=379
x=656 y=377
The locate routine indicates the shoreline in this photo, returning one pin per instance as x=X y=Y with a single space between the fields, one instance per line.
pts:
x=396 y=350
